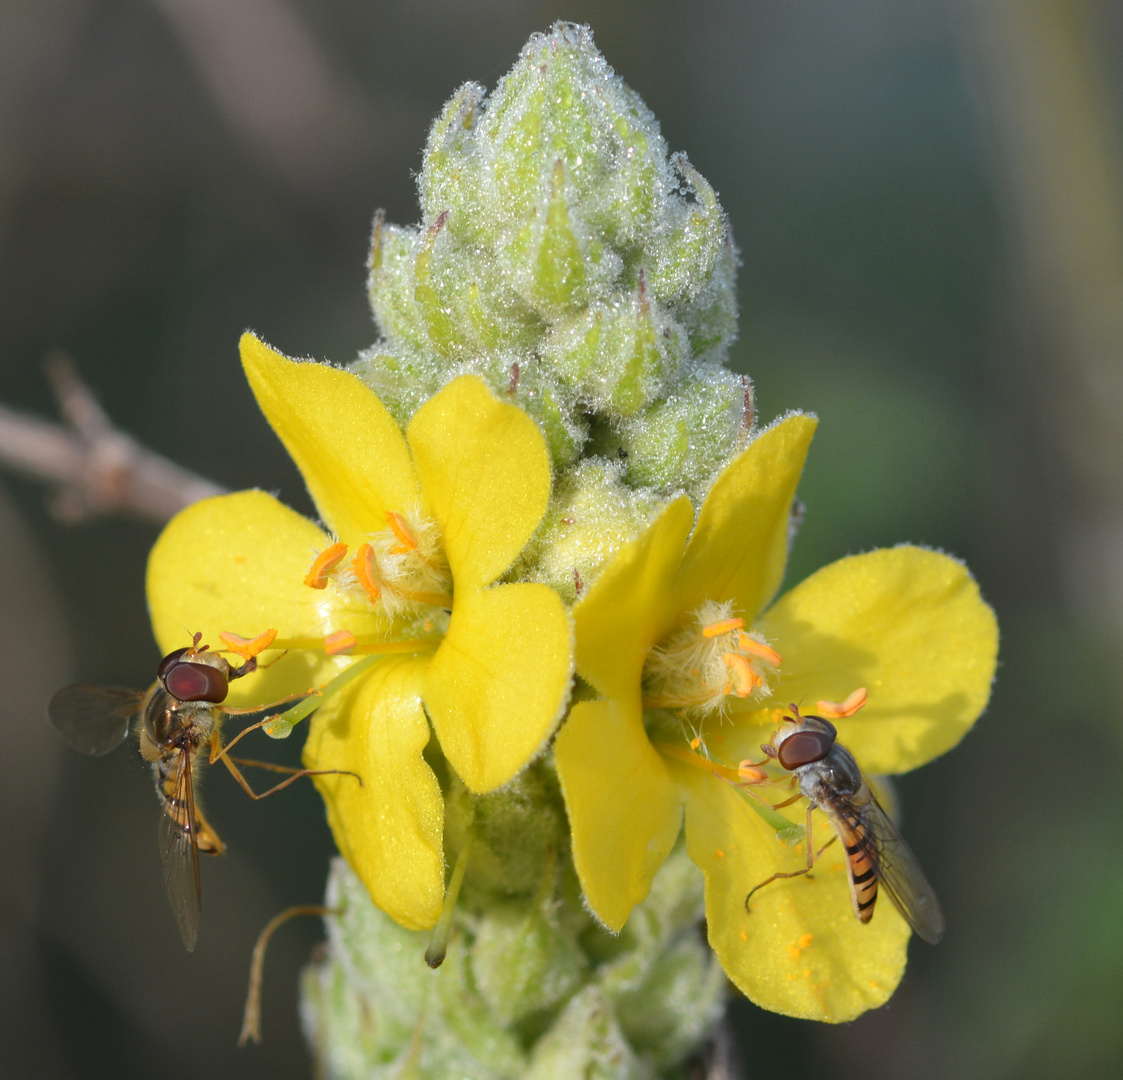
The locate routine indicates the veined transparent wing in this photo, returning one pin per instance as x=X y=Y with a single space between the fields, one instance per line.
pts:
x=179 y=855
x=94 y=719
x=900 y=874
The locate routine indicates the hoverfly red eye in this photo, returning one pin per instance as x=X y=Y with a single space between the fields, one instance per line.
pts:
x=196 y=682
x=169 y=662
x=804 y=748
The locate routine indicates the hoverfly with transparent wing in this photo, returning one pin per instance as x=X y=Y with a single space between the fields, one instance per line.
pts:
x=177 y=718
x=876 y=853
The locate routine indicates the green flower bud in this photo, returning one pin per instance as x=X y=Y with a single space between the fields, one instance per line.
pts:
x=402 y=382
x=586 y=1043
x=618 y=357
x=525 y=960
x=518 y=832
x=681 y=442
x=591 y=515
x=390 y=286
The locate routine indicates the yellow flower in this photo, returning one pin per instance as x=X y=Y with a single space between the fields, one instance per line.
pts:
x=419 y=529
x=906 y=623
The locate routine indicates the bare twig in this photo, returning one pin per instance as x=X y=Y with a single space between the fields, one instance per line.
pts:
x=97 y=469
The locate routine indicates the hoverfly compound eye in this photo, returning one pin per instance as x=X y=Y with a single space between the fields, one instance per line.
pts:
x=169 y=662
x=804 y=748
x=186 y=681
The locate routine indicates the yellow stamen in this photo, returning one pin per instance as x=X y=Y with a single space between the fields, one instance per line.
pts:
x=323 y=564
x=722 y=627
x=833 y=710
x=742 y=679
x=406 y=541
x=723 y=771
x=365 y=569
x=247 y=648
x=757 y=648
x=339 y=643
x=361 y=648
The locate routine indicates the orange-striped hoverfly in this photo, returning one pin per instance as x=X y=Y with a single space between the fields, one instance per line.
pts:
x=176 y=718
x=876 y=853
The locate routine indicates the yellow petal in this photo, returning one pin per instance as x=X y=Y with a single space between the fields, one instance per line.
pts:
x=498 y=684
x=237 y=563
x=485 y=472
x=906 y=623
x=624 y=810
x=390 y=828
x=800 y=951
x=632 y=604
x=347 y=446
x=740 y=544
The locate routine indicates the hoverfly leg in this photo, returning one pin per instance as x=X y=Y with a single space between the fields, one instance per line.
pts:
x=252 y=664
x=247 y=667
x=811 y=856
x=217 y=750
x=296 y=775
x=787 y=802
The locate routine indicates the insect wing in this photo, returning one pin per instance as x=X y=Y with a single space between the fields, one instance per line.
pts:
x=902 y=877
x=94 y=719
x=179 y=855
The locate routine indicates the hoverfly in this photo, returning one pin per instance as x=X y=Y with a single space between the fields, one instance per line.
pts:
x=876 y=853
x=177 y=718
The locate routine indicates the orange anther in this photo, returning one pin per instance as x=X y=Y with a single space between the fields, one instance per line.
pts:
x=339 y=643
x=805 y=940
x=399 y=528
x=744 y=936
x=833 y=710
x=794 y=951
x=695 y=743
x=719 y=853
x=750 y=774
x=742 y=679
x=365 y=570
x=323 y=564
x=722 y=627
x=758 y=649
x=247 y=648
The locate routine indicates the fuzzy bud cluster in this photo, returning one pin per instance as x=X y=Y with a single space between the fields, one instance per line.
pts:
x=531 y=988
x=586 y=273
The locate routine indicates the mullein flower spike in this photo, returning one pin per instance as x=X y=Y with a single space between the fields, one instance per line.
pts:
x=551 y=536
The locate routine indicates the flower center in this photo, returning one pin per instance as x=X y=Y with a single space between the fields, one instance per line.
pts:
x=399 y=570
x=709 y=665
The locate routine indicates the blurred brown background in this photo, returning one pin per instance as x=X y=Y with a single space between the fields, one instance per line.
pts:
x=927 y=195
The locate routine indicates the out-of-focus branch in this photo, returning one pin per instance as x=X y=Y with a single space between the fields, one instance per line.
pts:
x=95 y=468
x=271 y=80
